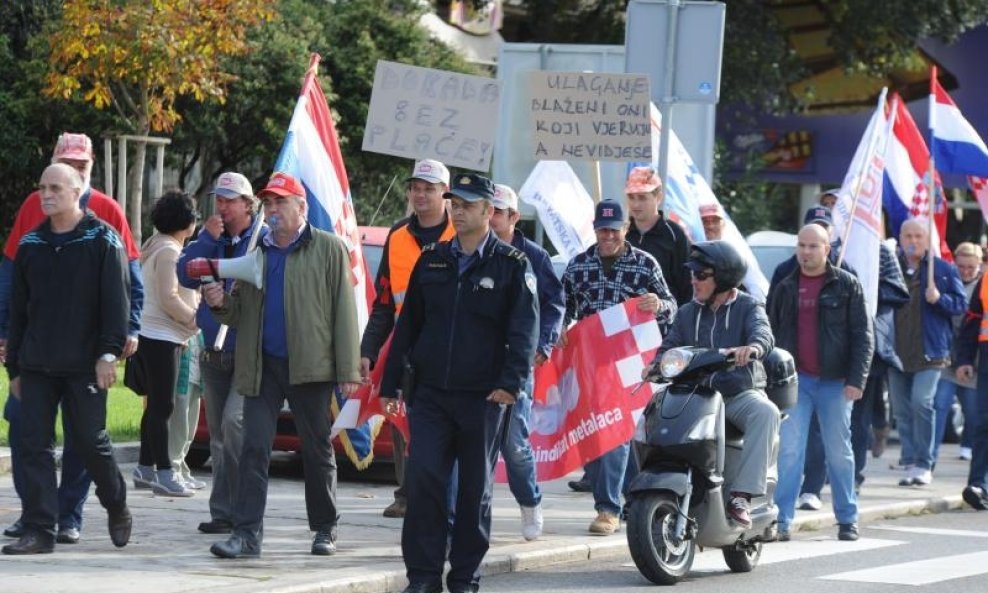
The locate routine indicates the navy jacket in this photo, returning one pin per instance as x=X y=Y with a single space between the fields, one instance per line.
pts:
x=938 y=329
x=471 y=333
x=551 y=304
x=70 y=302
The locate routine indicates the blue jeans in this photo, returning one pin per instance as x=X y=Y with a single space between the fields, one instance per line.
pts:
x=943 y=400
x=519 y=460
x=607 y=476
x=815 y=468
x=826 y=399
x=912 y=403
x=73 y=488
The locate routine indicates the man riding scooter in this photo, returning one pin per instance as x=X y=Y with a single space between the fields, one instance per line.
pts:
x=721 y=316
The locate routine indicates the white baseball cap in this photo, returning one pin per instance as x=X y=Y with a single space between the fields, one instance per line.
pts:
x=505 y=198
x=232 y=185
x=430 y=171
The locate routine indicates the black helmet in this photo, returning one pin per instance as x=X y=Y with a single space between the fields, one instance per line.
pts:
x=728 y=265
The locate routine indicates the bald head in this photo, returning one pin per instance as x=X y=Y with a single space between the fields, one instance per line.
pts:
x=60 y=188
x=812 y=249
x=914 y=238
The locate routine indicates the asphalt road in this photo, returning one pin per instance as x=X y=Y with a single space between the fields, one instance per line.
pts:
x=927 y=554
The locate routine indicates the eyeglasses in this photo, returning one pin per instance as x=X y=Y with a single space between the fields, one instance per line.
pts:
x=701 y=275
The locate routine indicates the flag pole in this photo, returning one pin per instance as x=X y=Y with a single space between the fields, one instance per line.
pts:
x=859 y=178
x=931 y=186
x=597 y=190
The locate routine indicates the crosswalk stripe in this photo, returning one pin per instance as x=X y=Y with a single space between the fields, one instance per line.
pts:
x=931 y=531
x=713 y=561
x=921 y=572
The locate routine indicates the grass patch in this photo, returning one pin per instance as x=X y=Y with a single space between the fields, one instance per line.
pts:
x=123 y=412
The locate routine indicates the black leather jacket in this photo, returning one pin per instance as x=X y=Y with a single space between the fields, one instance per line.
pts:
x=845 y=342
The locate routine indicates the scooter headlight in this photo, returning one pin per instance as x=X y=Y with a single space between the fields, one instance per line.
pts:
x=674 y=361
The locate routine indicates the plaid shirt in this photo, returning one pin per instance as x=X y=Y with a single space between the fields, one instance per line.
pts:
x=589 y=290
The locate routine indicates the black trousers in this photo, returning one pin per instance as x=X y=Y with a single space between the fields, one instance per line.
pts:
x=309 y=403
x=160 y=360
x=446 y=427
x=85 y=406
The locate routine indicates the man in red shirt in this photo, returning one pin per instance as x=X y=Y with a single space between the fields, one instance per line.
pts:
x=818 y=314
x=76 y=151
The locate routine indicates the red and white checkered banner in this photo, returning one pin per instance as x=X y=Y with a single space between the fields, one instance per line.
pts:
x=583 y=405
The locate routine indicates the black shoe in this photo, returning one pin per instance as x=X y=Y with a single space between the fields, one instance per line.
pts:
x=235 y=547
x=847 y=532
x=581 y=485
x=67 y=535
x=31 y=543
x=396 y=510
x=423 y=588
x=463 y=589
x=120 y=523
x=976 y=497
x=16 y=529
x=324 y=543
x=216 y=526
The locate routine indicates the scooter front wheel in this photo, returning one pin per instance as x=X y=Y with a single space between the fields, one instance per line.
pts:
x=651 y=538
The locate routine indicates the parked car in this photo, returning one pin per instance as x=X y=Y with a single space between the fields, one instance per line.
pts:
x=771 y=248
x=286 y=437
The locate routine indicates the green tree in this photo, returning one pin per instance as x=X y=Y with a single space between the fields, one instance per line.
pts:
x=138 y=57
x=352 y=35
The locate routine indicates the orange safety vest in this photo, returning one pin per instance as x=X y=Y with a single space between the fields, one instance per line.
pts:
x=403 y=252
x=983 y=330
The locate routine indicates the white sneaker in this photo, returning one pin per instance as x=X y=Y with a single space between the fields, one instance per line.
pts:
x=144 y=477
x=168 y=484
x=531 y=522
x=965 y=453
x=923 y=477
x=809 y=502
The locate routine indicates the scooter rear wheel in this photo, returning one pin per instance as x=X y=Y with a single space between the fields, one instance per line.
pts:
x=651 y=525
x=743 y=559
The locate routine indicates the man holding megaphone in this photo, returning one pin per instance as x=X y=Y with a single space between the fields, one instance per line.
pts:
x=297 y=337
x=226 y=234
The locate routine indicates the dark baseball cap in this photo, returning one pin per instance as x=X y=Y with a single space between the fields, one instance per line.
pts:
x=609 y=214
x=471 y=187
x=820 y=215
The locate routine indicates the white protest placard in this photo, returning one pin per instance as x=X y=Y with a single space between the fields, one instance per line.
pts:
x=426 y=113
x=590 y=116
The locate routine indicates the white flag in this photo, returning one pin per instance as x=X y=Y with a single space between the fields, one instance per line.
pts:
x=563 y=204
x=861 y=231
x=686 y=190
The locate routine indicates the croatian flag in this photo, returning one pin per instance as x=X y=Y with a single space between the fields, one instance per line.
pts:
x=311 y=153
x=956 y=146
x=905 y=195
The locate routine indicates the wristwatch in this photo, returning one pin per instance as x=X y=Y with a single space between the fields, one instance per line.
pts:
x=108 y=358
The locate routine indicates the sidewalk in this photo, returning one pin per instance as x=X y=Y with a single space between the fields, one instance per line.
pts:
x=168 y=555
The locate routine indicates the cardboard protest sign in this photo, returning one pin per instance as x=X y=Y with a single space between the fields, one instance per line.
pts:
x=590 y=116
x=425 y=113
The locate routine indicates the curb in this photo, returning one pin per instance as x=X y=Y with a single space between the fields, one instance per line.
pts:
x=605 y=548
x=123 y=453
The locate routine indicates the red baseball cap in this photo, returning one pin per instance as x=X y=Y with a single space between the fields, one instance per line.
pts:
x=283 y=184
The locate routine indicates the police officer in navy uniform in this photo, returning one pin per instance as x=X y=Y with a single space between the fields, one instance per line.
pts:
x=468 y=330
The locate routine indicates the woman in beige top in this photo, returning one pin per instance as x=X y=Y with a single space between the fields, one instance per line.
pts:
x=167 y=322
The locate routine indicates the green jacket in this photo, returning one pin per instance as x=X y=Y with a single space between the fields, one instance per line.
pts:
x=320 y=317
